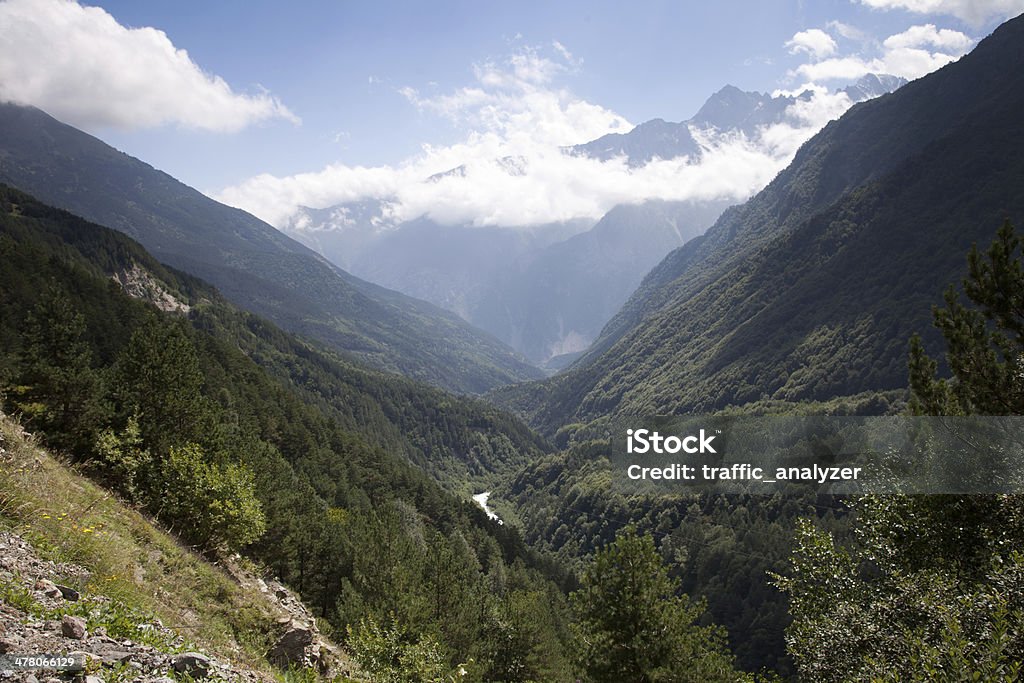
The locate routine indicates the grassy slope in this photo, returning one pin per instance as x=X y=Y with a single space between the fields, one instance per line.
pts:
x=145 y=570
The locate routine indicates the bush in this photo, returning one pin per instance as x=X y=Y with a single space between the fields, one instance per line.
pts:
x=213 y=505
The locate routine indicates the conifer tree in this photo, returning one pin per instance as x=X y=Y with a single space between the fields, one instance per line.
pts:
x=59 y=392
x=158 y=379
x=633 y=627
x=984 y=343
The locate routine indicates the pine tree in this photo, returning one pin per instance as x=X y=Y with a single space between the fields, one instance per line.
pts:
x=158 y=380
x=59 y=392
x=984 y=343
x=633 y=627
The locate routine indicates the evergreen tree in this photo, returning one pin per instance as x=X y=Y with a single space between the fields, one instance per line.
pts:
x=158 y=380
x=984 y=343
x=58 y=390
x=632 y=626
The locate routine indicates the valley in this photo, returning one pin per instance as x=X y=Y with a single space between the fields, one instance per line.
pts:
x=379 y=410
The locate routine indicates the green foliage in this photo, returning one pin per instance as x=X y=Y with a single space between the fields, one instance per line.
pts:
x=58 y=390
x=930 y=586
x=390 y=654
x=157 y=378
x=720 y=548
x=218 y=420
x=984 y=343
x=125 y=462
x=213 y=505
x=632 y=626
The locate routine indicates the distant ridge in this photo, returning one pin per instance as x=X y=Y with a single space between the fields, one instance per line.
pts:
x=812 y=289
x=253 y=264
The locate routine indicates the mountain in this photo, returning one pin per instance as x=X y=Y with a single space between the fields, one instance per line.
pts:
x=546 y=290
x=728 y=110
x=454 y=267
x=556 y=302
x=248 y=260
x=873 y=85
x=812 y=289
x=344 y=482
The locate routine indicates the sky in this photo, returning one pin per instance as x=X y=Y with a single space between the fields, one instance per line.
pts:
x=270 y=106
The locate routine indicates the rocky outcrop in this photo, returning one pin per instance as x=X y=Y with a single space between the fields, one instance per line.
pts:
x=299 y=642
x=140 y=284
x=31 y=600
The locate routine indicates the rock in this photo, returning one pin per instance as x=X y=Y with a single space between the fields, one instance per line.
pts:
x=7 y=646
x=191 y=663
x=68 y=593
x=48 y=588
x=73 y=627
x=31 y=679
x=296 y=646
x=115 y=656
x=93 y=679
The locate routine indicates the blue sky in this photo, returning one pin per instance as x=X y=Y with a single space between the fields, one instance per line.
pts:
x=367 y=84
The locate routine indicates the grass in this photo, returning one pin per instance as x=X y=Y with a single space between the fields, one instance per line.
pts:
x=146 y=573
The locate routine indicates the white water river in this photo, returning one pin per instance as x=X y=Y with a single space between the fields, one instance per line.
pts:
x=481 y=500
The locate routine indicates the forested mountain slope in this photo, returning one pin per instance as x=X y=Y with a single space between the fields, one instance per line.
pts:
x=253 y=264
x=237 y=435
x=811 y=289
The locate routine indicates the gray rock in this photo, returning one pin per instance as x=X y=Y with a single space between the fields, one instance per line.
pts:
x=297 y=646
x=192 y=663
x=115 y=656
x=73 y=627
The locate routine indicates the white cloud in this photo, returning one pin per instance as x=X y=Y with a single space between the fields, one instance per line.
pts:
x=975 y=12
x=813 y=42
x=923 y=36
x=80 y=65
x=513 y=171
x=904 y=54
x=564 y=51
x=846 y=30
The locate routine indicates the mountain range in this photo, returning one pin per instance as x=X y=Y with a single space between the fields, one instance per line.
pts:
x=811 y=289
x=730 y=110
x=248 y=260
x=547 y=290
